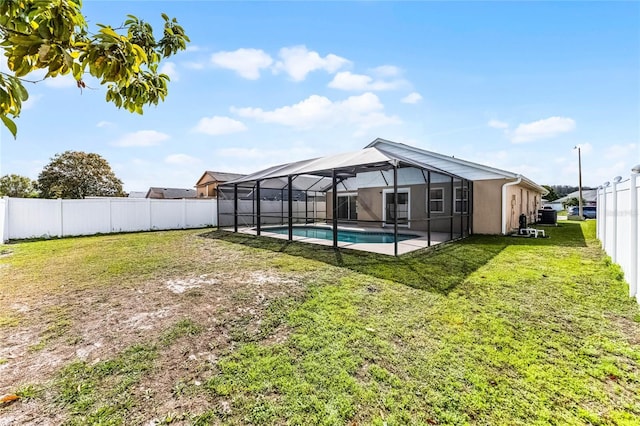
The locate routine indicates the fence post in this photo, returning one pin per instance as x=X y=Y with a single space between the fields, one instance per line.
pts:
x=614 y=227
x=604 y=216
x=149 y=211
x=110 y=214
x=184 y=213
x=5 y=222
x=633 y=200
x=61 y=224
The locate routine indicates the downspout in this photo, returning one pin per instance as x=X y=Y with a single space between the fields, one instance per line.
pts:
x=504 y=202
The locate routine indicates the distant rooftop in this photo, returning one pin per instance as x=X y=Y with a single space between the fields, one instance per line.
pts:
x=170 y=193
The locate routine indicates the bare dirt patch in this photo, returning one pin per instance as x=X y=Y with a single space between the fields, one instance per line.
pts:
x=96 y=324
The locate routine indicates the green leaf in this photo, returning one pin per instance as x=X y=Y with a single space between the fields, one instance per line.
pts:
x=10 y=125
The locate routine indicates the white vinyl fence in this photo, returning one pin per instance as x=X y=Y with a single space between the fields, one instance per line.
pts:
x=36 y=218
x=619 y=226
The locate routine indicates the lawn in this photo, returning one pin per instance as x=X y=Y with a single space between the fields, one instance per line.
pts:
x=209 y=327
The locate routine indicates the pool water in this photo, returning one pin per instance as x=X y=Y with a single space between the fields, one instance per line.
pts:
x=343 y=235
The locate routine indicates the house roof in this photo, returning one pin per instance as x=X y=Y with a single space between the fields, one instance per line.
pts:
x=220 y=176
x=172 y=193
x=379 y=155
x=588 y=195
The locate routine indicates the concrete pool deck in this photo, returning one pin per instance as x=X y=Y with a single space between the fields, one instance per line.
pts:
x=406 y=246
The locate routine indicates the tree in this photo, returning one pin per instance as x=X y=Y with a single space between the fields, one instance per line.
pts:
x=573 y=201
x=54 y=35
x=551 y=195
x=76 y=174
x=16 y=186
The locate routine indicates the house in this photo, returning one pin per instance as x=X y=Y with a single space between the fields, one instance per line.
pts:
x=137 y=194
x=588 y=195
x=207 y=185
x=390 y=184
x=170 y=193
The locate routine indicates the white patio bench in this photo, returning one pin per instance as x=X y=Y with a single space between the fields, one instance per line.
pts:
x=534 y=232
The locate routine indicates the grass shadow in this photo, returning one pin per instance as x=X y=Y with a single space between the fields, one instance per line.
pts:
x=439 y=268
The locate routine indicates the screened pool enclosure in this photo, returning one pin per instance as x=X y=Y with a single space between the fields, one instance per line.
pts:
x=374 y=191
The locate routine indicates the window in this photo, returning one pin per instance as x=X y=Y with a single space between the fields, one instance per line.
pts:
x=462 y=200
x=436 y=200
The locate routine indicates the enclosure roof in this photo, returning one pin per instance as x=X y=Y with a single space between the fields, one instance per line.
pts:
x=381 y=154
x=367 y=159
x=457 y=166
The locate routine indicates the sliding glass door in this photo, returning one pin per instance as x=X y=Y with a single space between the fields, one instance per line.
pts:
x=347 y=207
x=403 y=207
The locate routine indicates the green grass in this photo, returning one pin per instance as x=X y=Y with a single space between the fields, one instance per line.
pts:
x=184 y=327
x=489 y=330
x=50 y=266
x=493 y=331
x=101 y=392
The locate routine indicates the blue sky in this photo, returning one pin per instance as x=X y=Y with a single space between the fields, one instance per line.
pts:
x=508 y=84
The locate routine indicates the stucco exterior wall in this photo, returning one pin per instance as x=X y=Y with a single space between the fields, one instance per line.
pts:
x=487 y=207
x=521 y=199
x=370 y=207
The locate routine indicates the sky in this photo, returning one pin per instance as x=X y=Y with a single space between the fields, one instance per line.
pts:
x=513 y=85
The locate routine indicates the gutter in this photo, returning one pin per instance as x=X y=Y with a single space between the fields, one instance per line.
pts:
x=504 y=202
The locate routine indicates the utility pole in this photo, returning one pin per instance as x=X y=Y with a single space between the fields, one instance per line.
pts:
x=579 y=182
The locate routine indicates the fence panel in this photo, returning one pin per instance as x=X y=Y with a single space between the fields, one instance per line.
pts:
x=33 y=218
x=130 y=216
x=619 y=227
x=37 y=218
x=200 y=214
x=86 y=217
x=167 y=214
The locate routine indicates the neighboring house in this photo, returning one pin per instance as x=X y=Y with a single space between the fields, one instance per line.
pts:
x=207 y=185
x=170 y=193
x=435 y=192
x=588 y=195
x=137 y=194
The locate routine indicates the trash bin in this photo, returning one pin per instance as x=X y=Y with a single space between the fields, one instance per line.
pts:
x=547 y=217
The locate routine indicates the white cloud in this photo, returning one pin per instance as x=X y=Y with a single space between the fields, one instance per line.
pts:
x=252 y=159
x=345 y=80
x=616 y=152
x=412 y=98
x=497 y=124
x=246 y=62
x=606 y=173
x=104 y=124
x=542 y=129
x=141 y=138
x=386 y=71
x=169 y=68
x=181 y=159
x=217 y=125
x=297 y=62
x=364 y=111
x=193 y=48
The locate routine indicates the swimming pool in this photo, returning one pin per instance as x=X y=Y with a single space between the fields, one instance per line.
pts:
x=347 y=236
